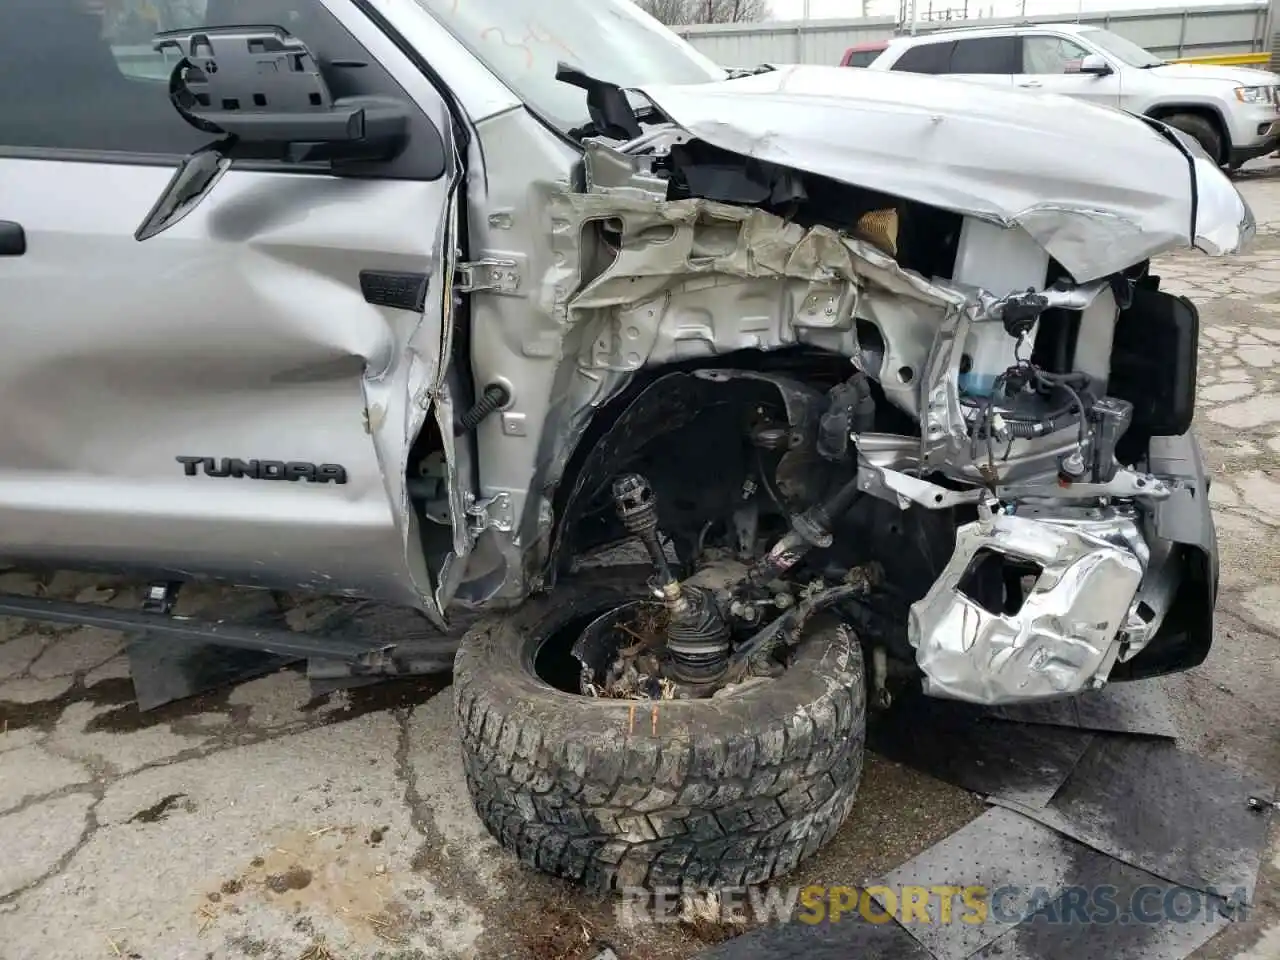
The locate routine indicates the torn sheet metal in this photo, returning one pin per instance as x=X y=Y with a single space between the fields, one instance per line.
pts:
x=697 y=279
x=955 y=742
x=1064 y=636
x=1182 y=817
x=681 y=263
x=1138 y=707
x=999 y=155
x=1046 y=896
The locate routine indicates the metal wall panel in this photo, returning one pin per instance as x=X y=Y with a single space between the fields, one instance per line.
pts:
x=1169 y=32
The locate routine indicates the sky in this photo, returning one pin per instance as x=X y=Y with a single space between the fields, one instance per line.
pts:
x=824 y=9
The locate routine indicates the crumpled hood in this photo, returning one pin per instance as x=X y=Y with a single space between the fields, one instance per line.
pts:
x=1240 y=76
x=1098 y=189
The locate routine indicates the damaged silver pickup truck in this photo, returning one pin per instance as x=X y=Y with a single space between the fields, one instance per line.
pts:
x=449 y=298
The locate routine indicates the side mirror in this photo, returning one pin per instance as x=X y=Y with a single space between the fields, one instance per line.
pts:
x=1095 y=64
x=259 y=93
x=262 y=87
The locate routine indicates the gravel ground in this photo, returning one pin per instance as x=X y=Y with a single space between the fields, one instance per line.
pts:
x=260 y=823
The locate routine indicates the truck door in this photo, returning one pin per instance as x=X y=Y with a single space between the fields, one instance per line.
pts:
x=237 y=395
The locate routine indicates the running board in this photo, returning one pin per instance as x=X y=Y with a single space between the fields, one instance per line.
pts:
x=283 y=643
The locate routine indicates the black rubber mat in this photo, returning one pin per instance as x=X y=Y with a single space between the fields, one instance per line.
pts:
x=1101 y=845
x=1134 y=916
x=163 y=670
x=851 y=938
x=1179 y=816
x=1045 y=897
x=1139 y=707
x=1001 y=853
x=959 y=743
x=1014 y=890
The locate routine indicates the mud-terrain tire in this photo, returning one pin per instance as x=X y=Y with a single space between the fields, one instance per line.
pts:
x=1199 y=129
x=729 y=791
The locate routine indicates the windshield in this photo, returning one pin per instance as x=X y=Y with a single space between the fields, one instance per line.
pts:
x=1126 y=51
x=612 y=40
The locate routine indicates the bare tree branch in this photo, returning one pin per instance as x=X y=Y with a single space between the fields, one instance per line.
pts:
x=683 y=12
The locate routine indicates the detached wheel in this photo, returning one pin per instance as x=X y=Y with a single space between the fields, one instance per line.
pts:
x=727 y=791
x=1202 y=130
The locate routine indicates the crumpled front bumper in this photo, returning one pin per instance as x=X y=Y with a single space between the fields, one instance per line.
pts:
x=1104 y=581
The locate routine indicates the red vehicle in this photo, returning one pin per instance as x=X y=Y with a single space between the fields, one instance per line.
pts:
x=861 y=54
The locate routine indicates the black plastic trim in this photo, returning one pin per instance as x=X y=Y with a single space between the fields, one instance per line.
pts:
x=1186 y=635
x=416 y=58
x=388 y=288
x=1239 y=155
x=13 y=239
x=187 y=629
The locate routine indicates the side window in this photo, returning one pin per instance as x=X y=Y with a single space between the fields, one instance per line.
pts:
x=925 y=58
x=986 y=55
x=81 y=75
x=1051 y=55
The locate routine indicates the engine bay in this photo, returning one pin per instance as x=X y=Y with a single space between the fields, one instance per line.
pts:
x=885 y=366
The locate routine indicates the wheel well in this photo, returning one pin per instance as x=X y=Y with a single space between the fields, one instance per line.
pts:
x=695 y=430
x=1164 y=111
x=685 y=434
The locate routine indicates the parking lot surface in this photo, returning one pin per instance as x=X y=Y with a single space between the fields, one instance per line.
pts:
x=261 y=822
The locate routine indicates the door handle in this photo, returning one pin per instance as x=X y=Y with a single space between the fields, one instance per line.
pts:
x=13 y=239
x=1031 y=83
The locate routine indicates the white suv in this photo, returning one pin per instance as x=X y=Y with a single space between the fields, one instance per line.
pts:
x=1231 y=111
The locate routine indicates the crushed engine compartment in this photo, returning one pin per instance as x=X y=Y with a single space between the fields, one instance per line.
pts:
x=991 y=412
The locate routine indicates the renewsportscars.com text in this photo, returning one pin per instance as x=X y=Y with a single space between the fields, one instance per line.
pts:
x=938 y=904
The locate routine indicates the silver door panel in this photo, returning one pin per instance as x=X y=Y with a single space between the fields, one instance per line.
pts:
x=240 y=332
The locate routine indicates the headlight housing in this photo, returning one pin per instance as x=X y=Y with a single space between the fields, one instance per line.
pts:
x=1255 y=94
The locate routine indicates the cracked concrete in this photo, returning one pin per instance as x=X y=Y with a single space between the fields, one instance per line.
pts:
x=32 y=771
x=85 y=648
x=258 y=823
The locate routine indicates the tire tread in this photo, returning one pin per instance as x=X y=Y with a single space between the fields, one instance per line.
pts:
x=710 y=804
